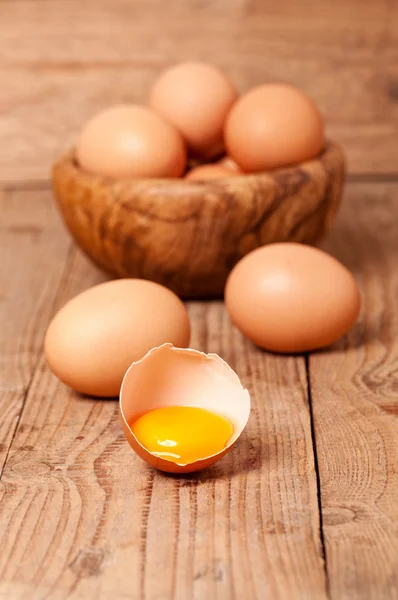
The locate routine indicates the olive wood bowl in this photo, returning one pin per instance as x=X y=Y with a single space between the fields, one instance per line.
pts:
x=187 y=235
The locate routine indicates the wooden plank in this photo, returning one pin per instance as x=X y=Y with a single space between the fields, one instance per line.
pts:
x=33 y=253
x=355 y=406
x=77 y=58
x=361 y=28
x=82 y=517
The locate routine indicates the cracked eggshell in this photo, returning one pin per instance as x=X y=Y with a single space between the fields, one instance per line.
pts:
x=169 y=376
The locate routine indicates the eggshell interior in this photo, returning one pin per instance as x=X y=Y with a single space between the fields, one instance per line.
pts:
x=169 y=376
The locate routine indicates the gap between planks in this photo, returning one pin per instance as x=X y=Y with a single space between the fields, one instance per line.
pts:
x=369 y=200
x=262 y=507
x=317 y=474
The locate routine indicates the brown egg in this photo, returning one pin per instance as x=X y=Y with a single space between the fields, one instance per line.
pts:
x=96 y=336
x=291 y=298
x=131 y=141
x=273 y=125
x=195 y=97
x=212 y=171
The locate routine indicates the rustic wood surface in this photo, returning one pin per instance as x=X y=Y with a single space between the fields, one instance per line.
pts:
x=354 y=389
x=306 y=506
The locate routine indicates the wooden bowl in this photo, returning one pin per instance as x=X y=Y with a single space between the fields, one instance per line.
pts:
x=187 y=235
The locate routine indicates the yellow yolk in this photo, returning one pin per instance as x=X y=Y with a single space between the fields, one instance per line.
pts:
x=182 y=434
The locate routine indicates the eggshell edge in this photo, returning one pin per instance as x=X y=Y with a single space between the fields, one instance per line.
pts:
x=166 y=465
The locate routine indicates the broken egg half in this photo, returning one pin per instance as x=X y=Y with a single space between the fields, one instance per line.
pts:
x=181 y=409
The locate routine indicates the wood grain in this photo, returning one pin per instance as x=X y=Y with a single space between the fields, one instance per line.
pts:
x=188 y=235
x=33 y=260
x=78 y=58
x=355 y=405
x=82 y=517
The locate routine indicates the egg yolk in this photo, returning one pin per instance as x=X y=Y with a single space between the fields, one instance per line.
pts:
x=182 y=434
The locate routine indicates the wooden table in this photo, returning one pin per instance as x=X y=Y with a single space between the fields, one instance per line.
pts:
x=306 y=507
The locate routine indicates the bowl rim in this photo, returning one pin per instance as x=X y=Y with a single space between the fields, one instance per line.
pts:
x=68 y=159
